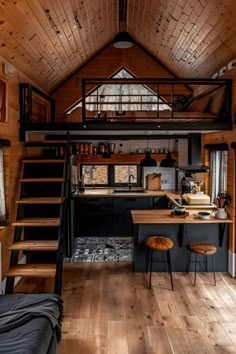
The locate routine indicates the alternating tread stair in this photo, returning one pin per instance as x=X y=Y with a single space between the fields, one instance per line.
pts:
x=41 y=217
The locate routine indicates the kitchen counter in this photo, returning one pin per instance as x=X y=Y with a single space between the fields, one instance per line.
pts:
x=165 y=217
x=181 y=230
x=173 y=196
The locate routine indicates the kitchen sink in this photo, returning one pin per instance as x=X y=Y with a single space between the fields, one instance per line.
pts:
x=129 y=191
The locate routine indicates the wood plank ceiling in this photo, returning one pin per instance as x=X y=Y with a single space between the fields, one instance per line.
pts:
x=48 y=40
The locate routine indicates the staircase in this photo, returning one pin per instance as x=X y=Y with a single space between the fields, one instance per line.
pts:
x=41 y=225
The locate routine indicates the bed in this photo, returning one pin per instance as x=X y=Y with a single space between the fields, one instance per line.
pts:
x=30 y=323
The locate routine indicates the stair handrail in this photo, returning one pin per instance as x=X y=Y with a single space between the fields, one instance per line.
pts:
x=65 y=228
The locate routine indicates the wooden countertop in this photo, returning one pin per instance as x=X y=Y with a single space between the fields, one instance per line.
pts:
x=108 y=192
x=164 y=217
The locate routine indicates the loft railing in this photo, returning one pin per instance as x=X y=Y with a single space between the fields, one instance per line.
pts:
x=133 y=104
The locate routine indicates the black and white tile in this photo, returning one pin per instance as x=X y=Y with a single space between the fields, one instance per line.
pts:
x=101 y=249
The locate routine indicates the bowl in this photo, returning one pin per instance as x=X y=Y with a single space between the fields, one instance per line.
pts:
x=179 y=210
x=204 y=215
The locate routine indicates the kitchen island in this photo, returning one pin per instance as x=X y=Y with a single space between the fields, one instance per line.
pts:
x=181 y=230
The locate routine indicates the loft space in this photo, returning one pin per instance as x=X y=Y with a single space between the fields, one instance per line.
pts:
x=186 y=104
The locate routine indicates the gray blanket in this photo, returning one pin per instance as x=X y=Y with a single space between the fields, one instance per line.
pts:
x=30 y=317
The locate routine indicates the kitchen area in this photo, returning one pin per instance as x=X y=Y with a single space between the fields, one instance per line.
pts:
x=148 y=200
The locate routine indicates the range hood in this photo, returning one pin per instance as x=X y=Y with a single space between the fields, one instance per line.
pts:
x=194 y=155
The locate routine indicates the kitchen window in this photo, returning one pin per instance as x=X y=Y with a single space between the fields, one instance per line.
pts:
x=95 y=175
x=111 y=175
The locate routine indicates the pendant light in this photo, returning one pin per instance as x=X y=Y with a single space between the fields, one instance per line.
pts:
x=168 y=161
x=123 y=40
x=148 y=160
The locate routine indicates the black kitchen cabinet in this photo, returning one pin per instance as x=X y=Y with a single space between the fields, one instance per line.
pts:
x=122 y=220
x=104 y=216
x=92 y=217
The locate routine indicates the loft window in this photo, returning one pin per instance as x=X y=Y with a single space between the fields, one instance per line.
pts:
x=120 y=98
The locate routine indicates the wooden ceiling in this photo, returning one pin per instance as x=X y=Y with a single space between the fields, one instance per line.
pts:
x=48 y=40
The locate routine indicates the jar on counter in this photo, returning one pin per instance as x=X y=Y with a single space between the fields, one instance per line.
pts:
x=90 y=149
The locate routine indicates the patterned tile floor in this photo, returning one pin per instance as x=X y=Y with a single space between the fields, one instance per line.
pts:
x=101 y=249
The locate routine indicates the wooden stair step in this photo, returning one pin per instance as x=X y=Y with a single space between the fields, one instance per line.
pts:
x=43 y=160
x=55 y=179
x=37 y=222
x=32 y=270
x=41 y=200
x=35 y=245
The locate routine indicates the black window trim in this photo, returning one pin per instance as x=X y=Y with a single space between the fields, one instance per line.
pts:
x=111 y=175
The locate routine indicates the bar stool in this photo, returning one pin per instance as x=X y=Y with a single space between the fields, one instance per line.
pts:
x=203 y=249
x=162 y=244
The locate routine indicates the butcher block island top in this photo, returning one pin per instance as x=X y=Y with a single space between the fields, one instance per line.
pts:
x=165 y=217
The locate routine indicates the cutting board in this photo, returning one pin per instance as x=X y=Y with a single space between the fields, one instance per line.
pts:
x=153 y=182
x=197 y=199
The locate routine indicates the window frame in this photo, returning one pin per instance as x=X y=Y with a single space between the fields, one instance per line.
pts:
x=111 y=175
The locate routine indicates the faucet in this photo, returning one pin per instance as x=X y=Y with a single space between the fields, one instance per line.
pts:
x=129 y=184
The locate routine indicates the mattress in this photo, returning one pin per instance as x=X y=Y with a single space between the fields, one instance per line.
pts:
x=197 y=199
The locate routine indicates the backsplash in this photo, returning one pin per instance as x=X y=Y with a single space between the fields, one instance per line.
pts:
x=167 y=176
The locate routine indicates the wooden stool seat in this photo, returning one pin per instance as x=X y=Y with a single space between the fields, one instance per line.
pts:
x=162 y=244
x=204 y=248
x=159 y=243
x=201 y=249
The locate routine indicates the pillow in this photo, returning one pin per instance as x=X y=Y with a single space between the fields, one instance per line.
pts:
x=217 y=99
x=198 y=104
x=180 y=103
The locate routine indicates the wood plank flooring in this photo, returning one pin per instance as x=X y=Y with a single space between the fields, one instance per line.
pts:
x=108 y=309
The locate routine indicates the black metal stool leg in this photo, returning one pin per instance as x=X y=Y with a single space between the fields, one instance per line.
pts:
x=169 y=266
x=213 y=269
x=147 y=259
x=150 y=269
x=188 y=261
x=195 y=272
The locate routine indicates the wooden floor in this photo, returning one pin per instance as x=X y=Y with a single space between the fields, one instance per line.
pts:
x=109 y=310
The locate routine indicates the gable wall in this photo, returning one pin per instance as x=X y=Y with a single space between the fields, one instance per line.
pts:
x=105 y=64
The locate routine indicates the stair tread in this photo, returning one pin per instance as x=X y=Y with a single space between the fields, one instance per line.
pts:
x=32 y=270
x=40 y=160
x=35 y=245
x=37 y=222
x=41 y=200
x=43 y=179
